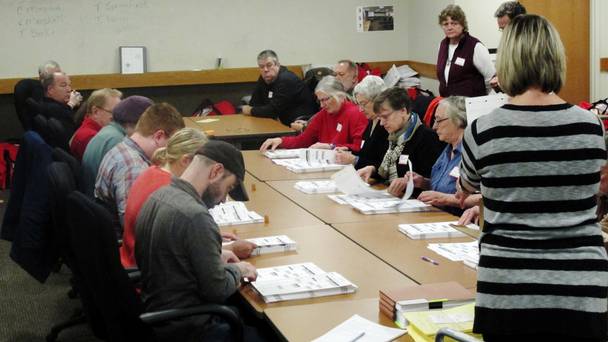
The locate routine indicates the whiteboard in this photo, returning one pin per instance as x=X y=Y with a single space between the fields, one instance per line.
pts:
x=84 y=36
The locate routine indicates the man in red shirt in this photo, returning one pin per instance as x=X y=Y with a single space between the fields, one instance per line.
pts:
x=98 y=114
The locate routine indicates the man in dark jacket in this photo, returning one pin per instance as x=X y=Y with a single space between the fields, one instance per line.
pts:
x=279 y=93
x=60 y=100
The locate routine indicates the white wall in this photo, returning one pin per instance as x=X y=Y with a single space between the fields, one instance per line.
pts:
x=599 y=49
x=84 y=36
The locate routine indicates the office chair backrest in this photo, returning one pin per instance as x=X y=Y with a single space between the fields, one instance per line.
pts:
x=93 y=241
x=24 y=90
x=61 y=183
x=59 y=134
x=62 y=155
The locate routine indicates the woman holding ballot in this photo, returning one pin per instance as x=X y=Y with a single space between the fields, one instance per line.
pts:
x=339 y=123
x=374 y=143
x=543 y=270
x=450 y=122
x=410 y=142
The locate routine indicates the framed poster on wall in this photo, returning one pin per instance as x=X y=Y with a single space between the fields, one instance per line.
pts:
x=132 y=59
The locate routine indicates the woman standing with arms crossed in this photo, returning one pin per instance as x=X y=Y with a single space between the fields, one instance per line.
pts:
x=543 y=271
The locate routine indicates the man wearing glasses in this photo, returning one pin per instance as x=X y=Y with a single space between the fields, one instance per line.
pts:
x=279 y=93
x=98 y=114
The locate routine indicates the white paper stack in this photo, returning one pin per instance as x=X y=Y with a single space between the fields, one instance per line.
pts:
x=233 y=213
x=316 y=186
x=384 y=203
x=430 y=230
x=360 y=329
x=467 y=252
x=482 y=105
x=304 y=166
x=283 y=154
x=299 y=281
x=273 y=244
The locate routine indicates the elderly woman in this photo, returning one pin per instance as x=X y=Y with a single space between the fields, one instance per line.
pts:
x=408 y=139
x=339 y=123
x=464 y=66
x=169 y=161
x=375 y=142
x=450 y=122
x=543 y=271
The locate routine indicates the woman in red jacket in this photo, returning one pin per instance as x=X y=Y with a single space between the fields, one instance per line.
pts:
x=339 y=123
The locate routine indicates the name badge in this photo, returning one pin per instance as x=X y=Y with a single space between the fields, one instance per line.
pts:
x=339 y=127
x=459 y=61
x=362 y=143
x=269 y=94
x=455 y=172
x=403 y=159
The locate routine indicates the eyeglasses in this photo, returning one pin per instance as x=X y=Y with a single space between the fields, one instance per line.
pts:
x=105 y=110
x=266 y=66
x=362 y=104
x=438 y=121
x=386 y=116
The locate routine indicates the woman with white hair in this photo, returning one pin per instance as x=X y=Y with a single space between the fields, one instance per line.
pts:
x=375 y=137
x=440 y=188
x=339 y=123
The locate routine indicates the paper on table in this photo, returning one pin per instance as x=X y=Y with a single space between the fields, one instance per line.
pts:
x=360 y=329
x=482 y=105
x=409 y=189
x=207 y=120
x=313 y=155
x=349 y=182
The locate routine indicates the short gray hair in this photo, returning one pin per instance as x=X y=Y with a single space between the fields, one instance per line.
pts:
x=455 y=109
x=268 y=54
x=530 y=54
x=511 y=9
x=48 y=79
x=332 y=87
x=370 y=87
x=48 y=67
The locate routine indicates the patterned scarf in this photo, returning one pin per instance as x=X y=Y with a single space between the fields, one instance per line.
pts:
x=396 y=143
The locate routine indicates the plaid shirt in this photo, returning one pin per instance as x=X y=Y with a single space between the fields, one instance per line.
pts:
x=117 y=172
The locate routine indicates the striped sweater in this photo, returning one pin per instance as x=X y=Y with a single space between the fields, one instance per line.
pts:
x=543 y=267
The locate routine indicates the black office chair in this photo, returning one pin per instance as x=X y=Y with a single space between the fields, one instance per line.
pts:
x=52 y=131
x=93 y=241
x=62 y=155
x=24 y=90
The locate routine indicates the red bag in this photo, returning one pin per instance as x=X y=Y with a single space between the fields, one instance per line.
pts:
x=207 y=107
x=8 y=155
x=364 y=69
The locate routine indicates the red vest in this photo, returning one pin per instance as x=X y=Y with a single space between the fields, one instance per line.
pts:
x=464 y=78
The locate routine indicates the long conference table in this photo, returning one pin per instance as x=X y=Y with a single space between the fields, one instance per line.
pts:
x=366 y=249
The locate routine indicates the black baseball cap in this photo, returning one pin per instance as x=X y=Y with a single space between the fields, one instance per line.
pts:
x=232 y=159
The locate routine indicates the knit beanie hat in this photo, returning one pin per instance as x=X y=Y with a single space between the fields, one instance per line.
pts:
x=130 y=109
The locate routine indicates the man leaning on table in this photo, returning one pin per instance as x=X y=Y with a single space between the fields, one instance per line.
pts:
x=279 y=93
x=178 y=245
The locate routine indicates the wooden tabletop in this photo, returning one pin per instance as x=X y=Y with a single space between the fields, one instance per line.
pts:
x=238 y=126
x=331 y=251
x=264 y=169
x=307 y=322
x=331 y=212
x=281 y=212
x=386 y=242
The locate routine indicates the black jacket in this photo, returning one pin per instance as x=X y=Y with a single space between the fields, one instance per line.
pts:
x=286 y=98
x=374 y=146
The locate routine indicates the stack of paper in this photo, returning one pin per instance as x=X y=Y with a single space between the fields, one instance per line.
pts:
x=299 y=281
x=360 y=329
x=384 y=203
x=394 y=302
x=316 y=187
x=462 y=251
x=283 y=154
x=273 y=244
x=482 y=105
x=304 y=166
x=232 y=213
x=423 y=325
x=430 y=230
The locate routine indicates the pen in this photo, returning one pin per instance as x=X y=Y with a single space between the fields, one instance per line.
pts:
x=427 y=259
x=358 y=336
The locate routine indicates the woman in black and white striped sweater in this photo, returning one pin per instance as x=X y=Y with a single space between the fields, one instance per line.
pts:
x=543 y=270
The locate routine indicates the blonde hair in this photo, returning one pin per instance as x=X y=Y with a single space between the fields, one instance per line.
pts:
x=99 y=97
x=530 y=54
x=186 y=141
x=456 y=14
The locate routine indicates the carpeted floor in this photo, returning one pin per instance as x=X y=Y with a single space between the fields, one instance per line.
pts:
x=29 y=309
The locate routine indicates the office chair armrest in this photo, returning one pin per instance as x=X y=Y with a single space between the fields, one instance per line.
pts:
x=209 y=309
x=456 y=335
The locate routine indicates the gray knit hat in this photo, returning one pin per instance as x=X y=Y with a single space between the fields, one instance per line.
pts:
x=130 y=109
